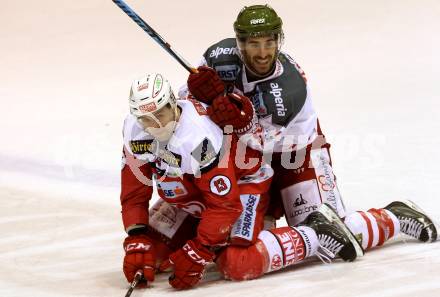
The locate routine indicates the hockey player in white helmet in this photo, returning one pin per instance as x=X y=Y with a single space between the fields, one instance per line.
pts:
x=211 y=207
x=154 y=105
x=252 y=64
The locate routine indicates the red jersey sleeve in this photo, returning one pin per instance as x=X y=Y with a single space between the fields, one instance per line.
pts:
x=136 y=190
x=222 y=197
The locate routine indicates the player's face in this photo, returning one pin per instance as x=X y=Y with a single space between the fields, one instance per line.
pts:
x=260 y=53
x=160 y=124
x=158 y=119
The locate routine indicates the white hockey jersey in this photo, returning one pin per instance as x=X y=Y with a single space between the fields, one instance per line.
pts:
x=282 y=101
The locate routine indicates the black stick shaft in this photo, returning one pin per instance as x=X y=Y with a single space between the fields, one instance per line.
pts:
x=153 y=34
x=137 y=278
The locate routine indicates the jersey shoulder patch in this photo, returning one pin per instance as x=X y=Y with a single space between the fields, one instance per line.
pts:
x=205 y=155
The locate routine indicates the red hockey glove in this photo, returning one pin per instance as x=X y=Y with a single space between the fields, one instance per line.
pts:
x=139 y=255
x=232 y=109
x=205 y=85
x=188 y=264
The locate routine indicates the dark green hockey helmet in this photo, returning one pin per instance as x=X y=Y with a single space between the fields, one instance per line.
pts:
x=257 y=20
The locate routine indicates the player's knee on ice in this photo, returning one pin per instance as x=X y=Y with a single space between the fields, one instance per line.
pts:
x=242 y=263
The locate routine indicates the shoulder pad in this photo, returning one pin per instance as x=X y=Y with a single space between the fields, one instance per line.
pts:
x=223 y=57
x=196 y=139
x=136 y=141
x=283 y=96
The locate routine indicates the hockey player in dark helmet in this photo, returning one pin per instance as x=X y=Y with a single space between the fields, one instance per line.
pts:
x=253 y=66
x=259 y=34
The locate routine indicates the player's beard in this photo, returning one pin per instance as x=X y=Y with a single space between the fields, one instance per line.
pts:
x=251 y=62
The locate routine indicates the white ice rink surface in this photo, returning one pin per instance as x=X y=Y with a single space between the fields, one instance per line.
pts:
x=66 y=68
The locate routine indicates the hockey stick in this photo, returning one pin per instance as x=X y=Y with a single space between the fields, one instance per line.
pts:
x=137 y=278
x=153 y=34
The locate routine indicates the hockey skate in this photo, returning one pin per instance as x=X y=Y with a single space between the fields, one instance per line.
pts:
x=413 y=220
x=332 y=233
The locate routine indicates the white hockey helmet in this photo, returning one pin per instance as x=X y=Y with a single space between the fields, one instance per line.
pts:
x=149 y=93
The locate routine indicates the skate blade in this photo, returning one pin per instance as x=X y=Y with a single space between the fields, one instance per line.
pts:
x=331 y=215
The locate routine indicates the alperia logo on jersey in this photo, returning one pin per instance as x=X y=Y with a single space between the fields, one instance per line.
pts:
x=223 y=51
x=279 y=102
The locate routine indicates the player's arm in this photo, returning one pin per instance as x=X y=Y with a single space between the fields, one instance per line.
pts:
x=223 y=207
x=222 y=197
x=135 y=196
x=135 y=192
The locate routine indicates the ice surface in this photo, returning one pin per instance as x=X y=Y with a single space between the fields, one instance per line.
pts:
x=66 y=67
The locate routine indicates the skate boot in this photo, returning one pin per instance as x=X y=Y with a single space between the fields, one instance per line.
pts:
x=413 y=220
x=332 y=233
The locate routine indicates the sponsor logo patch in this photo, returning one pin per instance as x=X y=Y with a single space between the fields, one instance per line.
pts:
x=227 y=72
x=193 y=255
x=142 y=87
x=220 y=185
x=150 y=107
x=172 y=189
x=204 y=153
x=307 y=209
x=140 y=147
x=258 y=102
x=276 y=91
x=244 y=226
x=170 y=158
x=158 y=83
x=276 y=263
x=299 y=201
x=150 y=146
x=223 y=51
x=326 y=182
x=137 y=246
x=292 y=245
x=257 y=21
